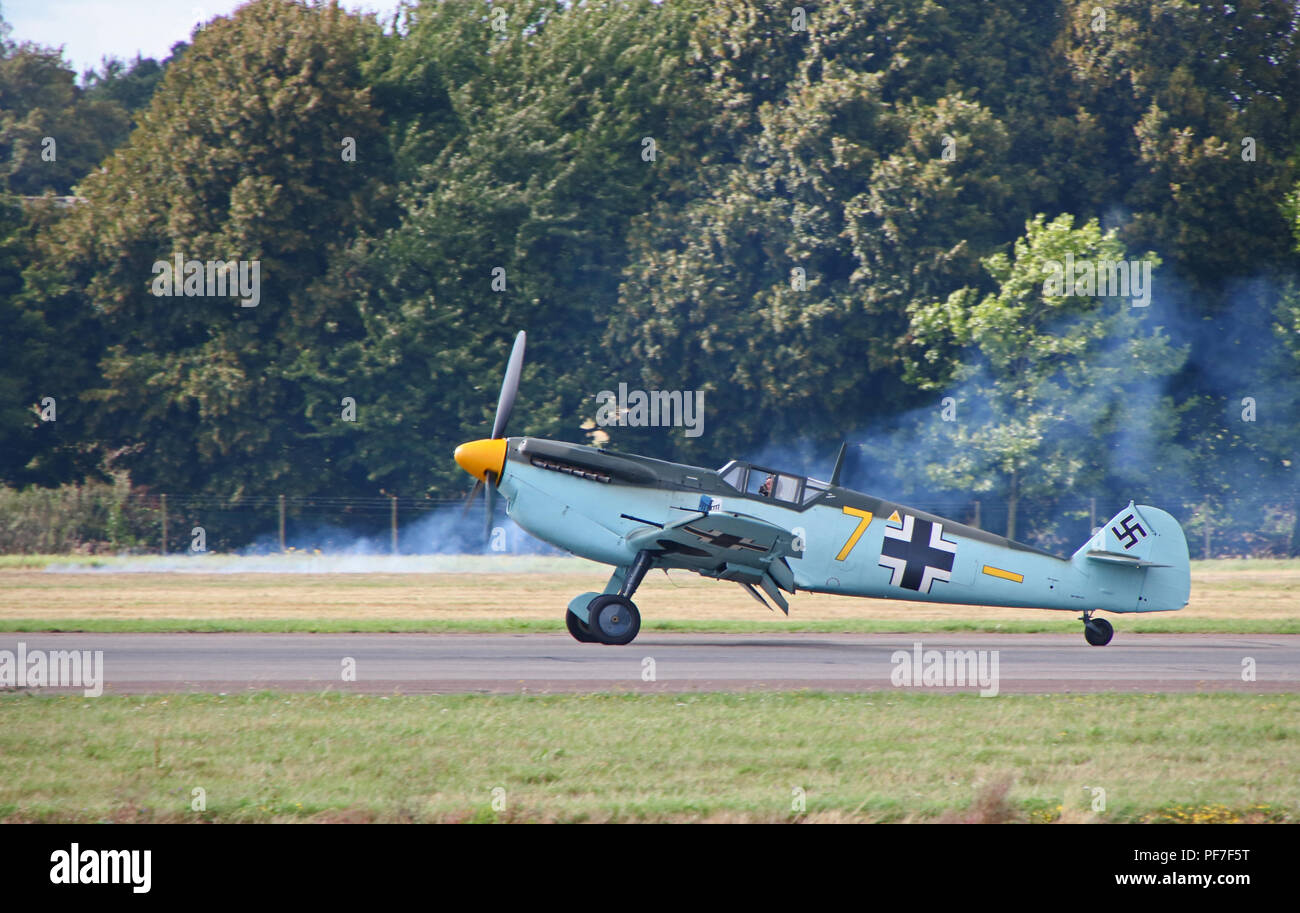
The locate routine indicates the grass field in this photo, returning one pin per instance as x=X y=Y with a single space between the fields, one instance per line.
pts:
x=466 y=593
x=721 y=757
x=604 y=757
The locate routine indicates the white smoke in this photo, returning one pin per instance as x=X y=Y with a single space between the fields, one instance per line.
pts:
x=442 y=541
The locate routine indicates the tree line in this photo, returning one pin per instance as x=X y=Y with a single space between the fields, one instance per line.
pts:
x=834 y=219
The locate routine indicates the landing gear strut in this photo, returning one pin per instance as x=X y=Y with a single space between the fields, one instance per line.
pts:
x=612 y=617
x=1096 y=631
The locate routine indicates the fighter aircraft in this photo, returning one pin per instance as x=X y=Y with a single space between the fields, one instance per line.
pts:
x=776 y=532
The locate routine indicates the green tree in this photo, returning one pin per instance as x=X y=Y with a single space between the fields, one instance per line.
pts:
x=241 y=155
x=1199 y=106
x=781 y=289
x=130 y=84
x=518 y=222
x=51 y=134
x=1048 y=380
x=47 y=350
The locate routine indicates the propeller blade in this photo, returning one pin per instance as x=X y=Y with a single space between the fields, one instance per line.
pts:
x=491 y=506
x=469 y=502
x=509 y=386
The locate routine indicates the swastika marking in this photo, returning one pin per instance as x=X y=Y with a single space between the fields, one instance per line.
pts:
x=1130 y=532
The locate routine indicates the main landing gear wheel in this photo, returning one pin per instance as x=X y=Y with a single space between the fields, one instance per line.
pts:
x=581 y=633
x=614 y=619
x=1097 y=631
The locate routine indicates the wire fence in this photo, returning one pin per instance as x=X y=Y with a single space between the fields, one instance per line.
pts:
x=317 y=523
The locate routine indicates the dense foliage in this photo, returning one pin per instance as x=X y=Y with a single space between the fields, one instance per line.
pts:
x=835 y=219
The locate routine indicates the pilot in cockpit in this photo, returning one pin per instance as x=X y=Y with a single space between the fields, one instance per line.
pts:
x=765 y=490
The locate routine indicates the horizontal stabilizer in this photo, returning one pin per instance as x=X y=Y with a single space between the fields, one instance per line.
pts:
x=1117 y=558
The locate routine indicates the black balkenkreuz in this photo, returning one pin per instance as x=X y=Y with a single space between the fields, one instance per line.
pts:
x=916 y=553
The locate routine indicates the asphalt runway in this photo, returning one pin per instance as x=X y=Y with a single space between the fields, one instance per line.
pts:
x=547 y=663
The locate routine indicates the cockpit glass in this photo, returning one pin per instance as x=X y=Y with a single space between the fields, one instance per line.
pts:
x=759 y=482
x=767 y=483
x=787 y=488
x=732 y=476
x=812 y=488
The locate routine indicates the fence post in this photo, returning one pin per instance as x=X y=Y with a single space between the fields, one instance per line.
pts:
x=281 y=522
x=394 y=497
x=163 y=550
x=1092 y=515
x=976 y=522
x=1206 y=524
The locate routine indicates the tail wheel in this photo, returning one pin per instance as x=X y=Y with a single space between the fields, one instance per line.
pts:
x=1097 y=631
x=614 y=620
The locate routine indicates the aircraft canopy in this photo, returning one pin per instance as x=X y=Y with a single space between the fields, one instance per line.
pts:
x=762 y=482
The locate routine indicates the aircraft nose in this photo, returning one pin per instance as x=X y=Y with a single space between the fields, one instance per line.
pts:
x=478 y=458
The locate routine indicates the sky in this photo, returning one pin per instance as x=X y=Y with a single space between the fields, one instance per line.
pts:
x=90 y=30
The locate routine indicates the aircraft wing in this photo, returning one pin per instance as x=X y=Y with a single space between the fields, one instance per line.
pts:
x=728 y=546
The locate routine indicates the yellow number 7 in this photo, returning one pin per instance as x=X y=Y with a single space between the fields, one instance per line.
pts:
x=864 y=518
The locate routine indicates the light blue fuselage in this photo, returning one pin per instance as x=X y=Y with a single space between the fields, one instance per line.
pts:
x=591 y=519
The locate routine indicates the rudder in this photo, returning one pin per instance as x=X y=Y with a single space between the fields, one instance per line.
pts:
x=1168 y=583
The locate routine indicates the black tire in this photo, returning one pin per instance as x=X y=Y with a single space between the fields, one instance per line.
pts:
x=614 y=619
x=581 y=633
x=1098 y=632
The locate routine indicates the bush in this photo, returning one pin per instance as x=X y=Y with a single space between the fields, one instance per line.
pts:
x=90 y=518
